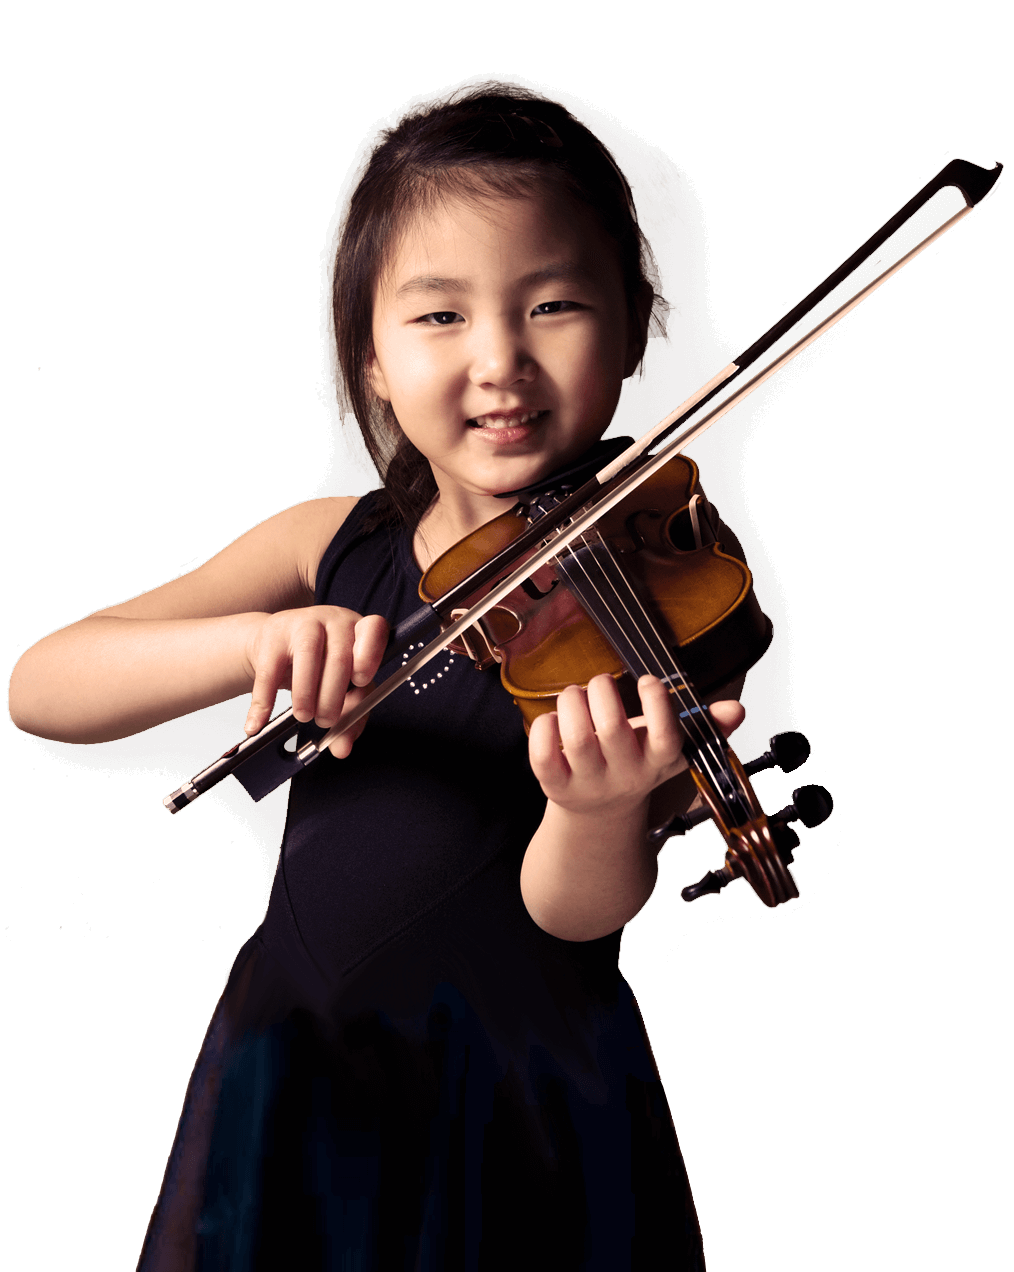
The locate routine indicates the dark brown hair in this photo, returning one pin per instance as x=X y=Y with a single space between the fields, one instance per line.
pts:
x=498 y=138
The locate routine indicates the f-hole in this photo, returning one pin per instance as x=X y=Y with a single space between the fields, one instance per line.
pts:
x=531 y=589
x=633 y=528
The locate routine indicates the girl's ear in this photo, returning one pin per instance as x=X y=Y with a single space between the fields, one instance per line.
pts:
x=377 y=381
x=637 y=337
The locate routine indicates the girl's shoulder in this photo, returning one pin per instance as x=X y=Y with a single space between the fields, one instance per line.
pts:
x=270 y=568
x=310 y=528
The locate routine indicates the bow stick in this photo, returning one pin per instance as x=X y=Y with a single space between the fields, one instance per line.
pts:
x=261 y=763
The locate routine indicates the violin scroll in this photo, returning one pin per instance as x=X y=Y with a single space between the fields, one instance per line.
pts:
x=760 y=848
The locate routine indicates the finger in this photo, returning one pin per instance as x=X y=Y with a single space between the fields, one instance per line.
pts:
x=577 y=733
x=616 y=737
x=664 y=739
x=309 y=647
x=335 y=673
x=549 y=764
x=728 y=715
x=341 y=747
x=369 y=640
x=268 y=673
x=259 y=712
x=368 y=648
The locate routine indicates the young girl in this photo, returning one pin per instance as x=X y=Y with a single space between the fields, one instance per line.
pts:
x=425 y=1057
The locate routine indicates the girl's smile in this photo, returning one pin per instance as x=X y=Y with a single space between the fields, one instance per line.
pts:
x=501 y=339
x=500 y=427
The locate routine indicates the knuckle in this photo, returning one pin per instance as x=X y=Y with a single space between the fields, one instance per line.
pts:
x=264 y=677
x=308 y=638
x=614 y=729
x=585 y=751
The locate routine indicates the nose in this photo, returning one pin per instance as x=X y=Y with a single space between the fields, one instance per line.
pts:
x=500 y=356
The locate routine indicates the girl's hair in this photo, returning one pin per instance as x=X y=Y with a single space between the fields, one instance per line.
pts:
x=493 y=138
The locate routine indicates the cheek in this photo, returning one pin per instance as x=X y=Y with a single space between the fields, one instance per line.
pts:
x=593 y=371
x=416 y=379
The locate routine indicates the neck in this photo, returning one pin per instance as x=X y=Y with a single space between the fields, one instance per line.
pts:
x=456 y=512
x=452 y=516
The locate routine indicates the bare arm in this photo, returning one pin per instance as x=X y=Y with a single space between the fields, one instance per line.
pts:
x=243 y=620
x=590 y=867
x=108 y=677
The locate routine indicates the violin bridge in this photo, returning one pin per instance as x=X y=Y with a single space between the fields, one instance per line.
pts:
x=473 y=644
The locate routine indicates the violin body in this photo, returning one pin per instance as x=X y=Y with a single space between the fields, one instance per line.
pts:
x=695 y=594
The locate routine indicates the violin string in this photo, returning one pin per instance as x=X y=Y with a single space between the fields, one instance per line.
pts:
x=646 y=656
x=667 y=667
x=695 y=718
x=711 y=753
x=697 y=721
x=650 y=661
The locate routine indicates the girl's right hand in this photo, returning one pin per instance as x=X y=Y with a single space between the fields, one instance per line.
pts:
x=326 y=655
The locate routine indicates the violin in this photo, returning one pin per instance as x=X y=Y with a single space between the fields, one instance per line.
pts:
x=647 y=591
x=624 y=573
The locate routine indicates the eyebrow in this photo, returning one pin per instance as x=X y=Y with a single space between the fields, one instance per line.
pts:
x=558 y=271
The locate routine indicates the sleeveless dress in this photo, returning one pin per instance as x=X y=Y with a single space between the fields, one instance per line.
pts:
x=405 y=1073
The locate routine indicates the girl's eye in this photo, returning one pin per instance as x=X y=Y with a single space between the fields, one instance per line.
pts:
x=554 y=307
x=442 y=318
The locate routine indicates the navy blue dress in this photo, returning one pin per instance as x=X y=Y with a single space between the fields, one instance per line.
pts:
x=405 y=1073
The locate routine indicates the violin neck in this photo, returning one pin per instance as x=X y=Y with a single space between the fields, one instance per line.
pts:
x=593 y=574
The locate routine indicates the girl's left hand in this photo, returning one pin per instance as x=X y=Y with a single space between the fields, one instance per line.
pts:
x=589 y=758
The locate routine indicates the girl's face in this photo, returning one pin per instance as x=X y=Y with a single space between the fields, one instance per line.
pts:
x=501 y=338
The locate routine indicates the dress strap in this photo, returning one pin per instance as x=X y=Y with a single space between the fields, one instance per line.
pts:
x=350 y=532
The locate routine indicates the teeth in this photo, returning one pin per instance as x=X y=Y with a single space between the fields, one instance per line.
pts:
x=500 y=421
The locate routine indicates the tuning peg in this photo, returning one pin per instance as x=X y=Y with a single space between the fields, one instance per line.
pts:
x=713 y=881
x=785 y=839
x=678 y=824
x=810 y=804
x=788 y=751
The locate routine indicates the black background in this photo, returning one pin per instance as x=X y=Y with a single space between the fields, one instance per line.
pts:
x=816 y=1057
